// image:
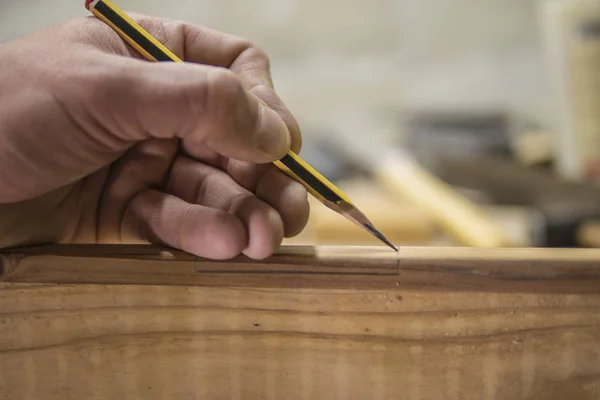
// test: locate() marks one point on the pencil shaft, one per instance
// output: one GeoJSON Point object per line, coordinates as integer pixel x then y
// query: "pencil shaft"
{"type": "Point", "coordinates": [291, 164]}
{"type": "Point", "coordinates": [153, 50]}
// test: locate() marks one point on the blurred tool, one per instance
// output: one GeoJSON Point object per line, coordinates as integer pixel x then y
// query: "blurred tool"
{"type": "Point", "coordinates": [523, 225]}
{"type": "Point", "coordinates": [403, 222]}
{"type": "Point", "coordinates": [494, 133]}
{"type": "Point", "coordinates": [403, 177]}
{"type": "Point", "coordinates": [291, 163]}
{"type": "Point", "coordinates": [569, 210]}
{"type": "Point", "coordinates": [571, 31]}
{"type": "Point", "coordinates": [464, 220]}
{"type": "Point", "coordinates": [325, 156]}
{"type": "Point", "coordinates": [454, 131]}
{"type": "Point", "coordinates": [534, 147]}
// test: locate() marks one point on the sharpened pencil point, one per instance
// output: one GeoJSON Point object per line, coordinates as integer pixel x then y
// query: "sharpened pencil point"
{"type": "Point", "coordinates": [291, 163]}
{"type": "Point", "coordinates": [380, 236]}
{"type": "Point", "coordinates": [352, 213]}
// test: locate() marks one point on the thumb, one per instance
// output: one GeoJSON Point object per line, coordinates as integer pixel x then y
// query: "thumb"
{"type": "Point", "coordinates": [204, 106]}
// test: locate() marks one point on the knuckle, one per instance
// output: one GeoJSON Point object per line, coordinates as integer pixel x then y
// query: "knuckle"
{"type": "Point", "coordinates": [156, 26]}
{"type": "Point", "coordinates": [253, 61]}
{"type": "Point", "coordinates": [253, 65]}
{"type": "Point", "coordinates": [225, 95]}
{"type": "Point", "coordinates": [223, 83]}
{"type": "Point", "coordinates": [260, 56]}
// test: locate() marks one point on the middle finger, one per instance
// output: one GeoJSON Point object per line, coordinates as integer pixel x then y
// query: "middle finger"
{"type": "Point", "coordinates": [269, 184]}
{"type": "Point", "coordinates": [202, 184]}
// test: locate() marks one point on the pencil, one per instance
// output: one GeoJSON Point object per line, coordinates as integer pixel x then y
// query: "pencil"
{"type": "Point", "coordinates": [294, 166]}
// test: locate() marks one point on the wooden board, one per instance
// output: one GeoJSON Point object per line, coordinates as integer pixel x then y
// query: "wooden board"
{"type": "Point", "coordinates": [449, 269]}
{"type": "Point", "coordinates": [235, 338]}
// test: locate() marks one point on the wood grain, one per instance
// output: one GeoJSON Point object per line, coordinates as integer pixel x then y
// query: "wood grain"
{"type": "Point", "coordinates": [449, 269]}
{"type": "Point", "coordinates": [248, 338]}
{"type": "Point", "coordinates": [167, 342]}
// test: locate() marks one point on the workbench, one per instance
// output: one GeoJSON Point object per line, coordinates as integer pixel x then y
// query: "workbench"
{"type": "Point", "coordinates": [129, 322]}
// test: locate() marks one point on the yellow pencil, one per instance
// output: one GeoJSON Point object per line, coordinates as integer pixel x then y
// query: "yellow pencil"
{"type": "Point", "coordinates": [291, 163]}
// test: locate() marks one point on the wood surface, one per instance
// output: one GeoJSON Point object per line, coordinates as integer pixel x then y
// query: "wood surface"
{"type": "Point", "coordinates": [286, 335]}
{"type": "Point", "coordinates": [371, 267]}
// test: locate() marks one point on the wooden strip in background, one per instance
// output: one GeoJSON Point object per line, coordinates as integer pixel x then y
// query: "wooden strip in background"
{"type": "Point", "coordinates": [448, 269]}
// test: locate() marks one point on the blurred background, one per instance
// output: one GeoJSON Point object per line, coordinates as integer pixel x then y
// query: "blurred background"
{"type": "Point", "coordinates": [454, 122]}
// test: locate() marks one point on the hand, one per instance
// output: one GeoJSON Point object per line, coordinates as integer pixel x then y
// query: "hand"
{"type": "Point", "coordinates": [98, 145]}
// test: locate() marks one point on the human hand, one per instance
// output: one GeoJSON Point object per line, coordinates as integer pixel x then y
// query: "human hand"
{"type": "Point", "coordinates": [100, 146]}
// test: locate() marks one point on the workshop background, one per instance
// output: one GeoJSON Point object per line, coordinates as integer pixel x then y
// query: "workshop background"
{"type": "Point", "coordinates": [497, 101]}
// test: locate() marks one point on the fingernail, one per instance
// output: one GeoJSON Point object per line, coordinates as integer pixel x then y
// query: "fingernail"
{"type": "Point", "coordinates": [273, 137]}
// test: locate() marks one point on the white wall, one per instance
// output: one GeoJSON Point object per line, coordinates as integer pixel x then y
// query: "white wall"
{"type": "Point", "coordinates": [346, 56]}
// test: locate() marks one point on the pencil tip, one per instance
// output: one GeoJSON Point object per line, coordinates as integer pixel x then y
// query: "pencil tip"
{"type": "Point", "coordinates": [380, 236]}
{"type": "Point", "coordinates": [356, 216]}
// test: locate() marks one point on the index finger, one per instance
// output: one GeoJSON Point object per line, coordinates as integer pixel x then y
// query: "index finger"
{"type": "Point", "coordinates": [208, 46]}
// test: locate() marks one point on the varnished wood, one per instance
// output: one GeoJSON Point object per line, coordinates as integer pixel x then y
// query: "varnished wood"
{"type": "Point", "coordinates": [175, 342]}
{"type": "Point", "coordinates": [449, 269]}
{"type": "Point", "coordinates": [279, 329]}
